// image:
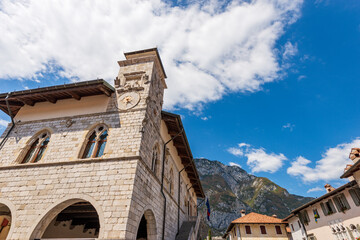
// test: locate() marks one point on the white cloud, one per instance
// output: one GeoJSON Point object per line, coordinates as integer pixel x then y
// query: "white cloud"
{"type": "Point", "coordinates": [205, 118]}
{"type": "Point", "coordinates": [206, 52]}
{"type": "Point", "coordinates": [236, 151]}
{"type": "Point", "coordinates": [234, 164]}
{"type": "Point", "coordinates": [289, 126]}
{"type": "Point", "coordinates": [329, 167]}
{"type": "Point", "coordinates": [290, 50]}
{"type": "Point", "coordinates": [3, 123]}
{"type": "Point", "coordinates": [316, 189]}
{"type": "Point", "coordinates": [258, 159]}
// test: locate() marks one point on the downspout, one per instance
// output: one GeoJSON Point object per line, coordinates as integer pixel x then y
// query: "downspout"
{"type": "Point", "coordinates": [12, 120]}
{"type": "Point", "coordinates": [162, 181]}
{"type": "Point", "coordinates": [178, 217]}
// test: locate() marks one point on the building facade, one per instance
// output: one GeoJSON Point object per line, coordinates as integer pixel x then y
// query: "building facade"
{"type": "Point", "coordinates": [254, 226]}
{"type": "Point", "coordinates": [335, 215]}
{"type": "Point", "coordinates": [88, 160]}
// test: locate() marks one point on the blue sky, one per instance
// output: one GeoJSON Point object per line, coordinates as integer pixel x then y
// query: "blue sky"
{"type": "Point", "coordinates": [269, 85]}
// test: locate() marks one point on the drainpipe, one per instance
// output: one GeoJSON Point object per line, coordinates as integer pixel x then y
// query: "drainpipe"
{"type": "Point", "coordinates": [12, 120]}
{"type": "Point", "coordinates": [162, 181]}
{"type": "Point", "coordinates": [178, 218]}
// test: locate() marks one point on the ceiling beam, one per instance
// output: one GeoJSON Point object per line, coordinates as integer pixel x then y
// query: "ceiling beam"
{"type": "Point", "coordinates": [105, 91]}
{"type": "Point", "coordinates": [74, 95]}
{"type": "Point", "coordinates": [49, 98]}
{"type": "Point", "coordinates": [26, 101]}
{"type": "Point", "coordinates": [11, 103]}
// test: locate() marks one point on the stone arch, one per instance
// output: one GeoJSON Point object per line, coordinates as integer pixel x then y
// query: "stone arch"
{"type": "Point", "coordinates": [39, 228]}
{"type": "Point", "coordinates": [4, 205]}
{"type": "Point", "coordinates": [147, 226]}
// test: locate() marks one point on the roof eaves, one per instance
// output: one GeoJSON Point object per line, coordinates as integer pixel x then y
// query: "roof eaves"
{"type": "Point", "coordinates": [351, 170]}
{"type": "Point", "coordinates": [337, 190]}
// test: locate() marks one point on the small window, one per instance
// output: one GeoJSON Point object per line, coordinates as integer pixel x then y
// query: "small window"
{"type": "Point", "coordinates": [328, 207]}
{"type": "Point", "coordinates": [316, 214]}
{"type": "Point", "coordinates": [263, 229]}
{"type": "Point", "coordinates": [292, 227]}
{"type": "Point", "coordinates": [355, 195]}
{"type": "Point", "coordinates": [299, 224]}
{"type": "Point", "coordinates": [278, 229]}
{"type": "Point", "coordinates": [304, 217]}
{"type": "Point", "coordinates": [341, 203]}
{"type": "Point", "coordinates": [96, 143]}
{"type": "Point", "coordinates": [37, 148]}
{"type": "Point", "coordinates": [248, 229]}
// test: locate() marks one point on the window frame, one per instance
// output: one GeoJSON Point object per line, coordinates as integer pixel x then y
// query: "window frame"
{"type": "Point", "coordinates": [263, 227]}
{"type": "Point", "coordinates": [99, 131]}
{"type": "Point", "coordinates": [355, 195]}
{"type": "Point", "coordinates": [248, 227]}
{"type": "Point", "coordinates": [276, 229]}
{"type": "Point", "coordinates": [36, 147]}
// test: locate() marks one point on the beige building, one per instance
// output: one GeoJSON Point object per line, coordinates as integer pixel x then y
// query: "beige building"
{"type": "Point", "coordinates": [88, 160]}
{"type": "Point", "coordinates": [336, 214]}
{"type": "Point", "coordinates": [255, 226]}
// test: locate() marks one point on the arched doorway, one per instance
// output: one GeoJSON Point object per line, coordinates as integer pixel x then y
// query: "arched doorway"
{"type": "Point", "coordinates": [147, 227]}
{"type": "Point", "coordinates": [74, 218]}
{"type": "Point", "coordinates": [5, 221]}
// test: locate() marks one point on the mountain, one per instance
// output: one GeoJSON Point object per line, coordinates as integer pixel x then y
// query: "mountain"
{"type": "Point", "coordinates": [231, 188]}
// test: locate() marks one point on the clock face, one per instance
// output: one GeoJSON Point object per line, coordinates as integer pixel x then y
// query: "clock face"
{"type": "Point", "coordinates": [128, 100]}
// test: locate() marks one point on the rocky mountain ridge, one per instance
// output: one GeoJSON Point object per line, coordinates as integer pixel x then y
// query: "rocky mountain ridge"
{"type": "Point", "coordinates": [231, 188]}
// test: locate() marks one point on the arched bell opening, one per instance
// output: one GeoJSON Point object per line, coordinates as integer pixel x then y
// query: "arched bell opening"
{"type": "Point", "coordinates": [5, 221]}
{"type": "Point", "coordinates": [147, 227]}
{"type": "Point", "coordinates": [79, 220]}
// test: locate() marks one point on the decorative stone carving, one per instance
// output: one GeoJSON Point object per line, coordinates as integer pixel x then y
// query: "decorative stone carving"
{"type": "Point", "coordinates": [134, 81]}
{"type": "Point", "coordinates": [128, 100]}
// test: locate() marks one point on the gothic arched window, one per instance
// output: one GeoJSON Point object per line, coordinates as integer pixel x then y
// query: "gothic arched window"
{"type": "Point", "coordinates": [37, 148]}
{"type": "Point", "coordinates": [96, 142]}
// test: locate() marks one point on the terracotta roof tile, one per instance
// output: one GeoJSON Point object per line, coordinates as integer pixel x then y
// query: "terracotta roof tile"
{"type": "Point", "coordinates": [257, 218]}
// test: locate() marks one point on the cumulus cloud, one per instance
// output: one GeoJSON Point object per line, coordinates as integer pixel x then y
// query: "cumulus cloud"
{"type": "Point", "coordinates": [258, 159]}
{"type": "Point", "coordinates": [329, 167]}
{"type": "Point", "coordinates": [3, 123]}
{"type": "Point", "coordinates": [316, 189]}
{"type": "Point", "coordinates": [234, 164]}
{"type": "Point", "coordinates": [208, 49]}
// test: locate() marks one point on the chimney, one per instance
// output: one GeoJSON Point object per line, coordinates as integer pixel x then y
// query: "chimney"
{"type": "Point", "coordinates": [329, 188]}
{"type": "Point", "coordinates": [348, 166]}
{"type": "Point", "coordinates": [242, 212]}
{"type": "Point", "coordinates": [354, 154]}
{"type": "Point", "coordinates": [274, 216]}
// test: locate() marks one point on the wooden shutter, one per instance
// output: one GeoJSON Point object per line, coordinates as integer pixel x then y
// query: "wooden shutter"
{"type": "Point", "coordinates": [278, 229]}
{"type": "Point", "coordinates": [332, 206]}
{"type": "Point", "coordinates": [355, 196]}
{"type": "Point", "coordinates": [338, 206]}
{"type": "Point", "coordinates": [263, 229]}
{"type": "Point", "coordinates": [247, 229]}
{"type": "Point", "coordinates": [344, 200]}
{"type": "Point", "coordinates": [323, 209]}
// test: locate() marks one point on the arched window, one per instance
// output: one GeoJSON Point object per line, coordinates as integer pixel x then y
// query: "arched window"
{"type": "Point", "coordinates": [96, 142]}
{"type": "Point", "coordinates": [155, 162]}
{"type": "Point", "coordinates": [37, 148]}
